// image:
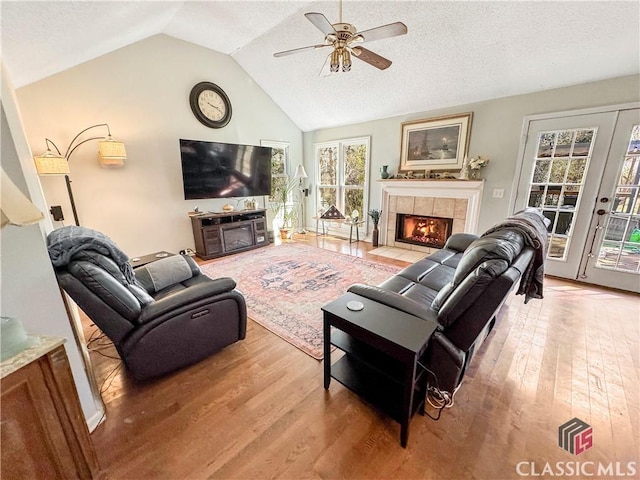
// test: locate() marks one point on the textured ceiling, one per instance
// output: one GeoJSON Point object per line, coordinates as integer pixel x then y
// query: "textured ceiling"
{"type": "Point", "coordinates": [456, 52]}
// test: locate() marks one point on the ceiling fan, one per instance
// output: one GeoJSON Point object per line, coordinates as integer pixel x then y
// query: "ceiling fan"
{"type": "Point", "coordinates": [346, 40]}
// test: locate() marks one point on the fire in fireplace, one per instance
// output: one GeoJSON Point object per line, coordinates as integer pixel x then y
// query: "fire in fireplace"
{"type": "Point", "coordinates": [421, 230]}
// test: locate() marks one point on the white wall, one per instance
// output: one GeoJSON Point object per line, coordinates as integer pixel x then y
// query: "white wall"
{"type": "Point", "coordinates": [29, 288]}
{"type": "Point", "coordinates": [142, 92]}
{"type": "Point", "coordinates": [495, 133]}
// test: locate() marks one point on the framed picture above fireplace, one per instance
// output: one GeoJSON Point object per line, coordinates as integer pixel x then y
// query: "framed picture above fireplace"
{"type": "Point", "coordinates": [439, 143]}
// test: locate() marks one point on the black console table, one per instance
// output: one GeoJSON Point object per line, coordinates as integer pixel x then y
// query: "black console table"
{"type": "Point", "coordinates": [219, 234]}
{"type": "Point", "coordinates": [383, 347]}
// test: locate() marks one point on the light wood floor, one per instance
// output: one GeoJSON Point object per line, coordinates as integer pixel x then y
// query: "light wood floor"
{"type": "Point", "coordinates": [258, 408]}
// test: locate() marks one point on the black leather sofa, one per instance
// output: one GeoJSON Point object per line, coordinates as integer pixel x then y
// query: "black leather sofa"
{"type": "Point", "coordinates": [463, 286]}
{"type": "Point", "coordinates": [160, 317]}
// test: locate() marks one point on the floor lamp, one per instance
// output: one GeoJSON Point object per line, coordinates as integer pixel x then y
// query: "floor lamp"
{"type": "Point", "coordinates": [111, 154]}
{"type": "Point", "coordinates": [301, 174]}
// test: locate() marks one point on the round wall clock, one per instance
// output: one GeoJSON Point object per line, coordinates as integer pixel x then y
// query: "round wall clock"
{"type": "Point", "coordinates": [210, 104]}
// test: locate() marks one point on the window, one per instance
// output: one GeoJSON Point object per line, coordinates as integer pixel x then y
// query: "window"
{"type": "Point", "coordinates": [279, 167]}
{"type": "Point", "coordinates": [342, 173]}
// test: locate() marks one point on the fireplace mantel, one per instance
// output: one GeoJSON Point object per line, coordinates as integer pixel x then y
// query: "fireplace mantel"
{"type": "Point", "coordinates": [458, 199]}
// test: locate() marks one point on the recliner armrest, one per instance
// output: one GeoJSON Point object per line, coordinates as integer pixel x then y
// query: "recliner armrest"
{"type": "Point", "coordinates": [186, 297]}
{"type": "Point", "coordinates": [394, 300]}
{"type": "Point", "coordinates": [460, 241]}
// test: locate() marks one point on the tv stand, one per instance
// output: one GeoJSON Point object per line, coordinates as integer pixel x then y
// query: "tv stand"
{"type": "Point", "coordinates": [220, 234]}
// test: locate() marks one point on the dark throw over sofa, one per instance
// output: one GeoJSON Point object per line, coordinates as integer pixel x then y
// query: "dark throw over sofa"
{"type": "Point", "coordinates": [462, 287]}
{"type": "Point", "coordinates": [161, 317]}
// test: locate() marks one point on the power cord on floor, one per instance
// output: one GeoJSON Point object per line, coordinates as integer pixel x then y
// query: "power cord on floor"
{"type": "Point", "coordinates": [98, 341]}
{"type": "Point", "coordinates": [438, 399]}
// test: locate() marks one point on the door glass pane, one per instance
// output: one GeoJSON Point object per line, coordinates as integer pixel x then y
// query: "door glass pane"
{"type": "Point", "coordinates": [536, 195]}
{"type": "Point", "coordinates": [560, 169]}
{"type": "Point", "coordinates": [620, 245]}
{"type": "Point", "coordinates": [541, 171]}
{"type": "Point", "coordinates": [563, 145]}
{"type": "Point", "coordinates": [563, 225]}
{"type": "Point", "coordinates": [577, 167]}
{"type": "Point", "coordinates": [582, 146]}
{"type": "Point", "coordinates": [570, 194]}
{"type": "Point", "coordinates": [557, 247]}
{"type": "Point", "coordinates": [553, 195]}
{"type": "Point", "coordinates": [545, 144]}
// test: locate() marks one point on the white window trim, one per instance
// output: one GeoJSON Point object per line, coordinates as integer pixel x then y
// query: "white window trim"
{"type": "Point", "coordinates": [341, 144]}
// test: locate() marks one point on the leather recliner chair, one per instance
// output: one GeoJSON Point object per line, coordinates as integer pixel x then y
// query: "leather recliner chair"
{"type": "Point", "coordinates": [169, 317]}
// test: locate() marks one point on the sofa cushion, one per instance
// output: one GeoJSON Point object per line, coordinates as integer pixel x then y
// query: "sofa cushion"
{"type": "Point", "coordinates": [453, 301]}
{"type": "Point", "coordinates": [164, 273]}
{"type": "Point", "coordinates": [503, 245]}
{"type": "Point", "coordinates": [421, 294]}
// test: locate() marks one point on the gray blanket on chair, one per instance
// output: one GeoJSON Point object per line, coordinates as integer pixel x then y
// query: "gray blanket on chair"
{"type": "Point", "coordinates": [63, 243]}
{"type": "Point", "coordinates": [533, 227]}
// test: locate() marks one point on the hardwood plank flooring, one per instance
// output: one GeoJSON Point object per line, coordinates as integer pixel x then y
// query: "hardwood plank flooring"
{"type": "Point", "coordinates": [258, 408]}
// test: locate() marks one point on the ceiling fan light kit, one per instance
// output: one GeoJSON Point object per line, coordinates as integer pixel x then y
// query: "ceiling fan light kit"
{"type": "Point", "coordinates": [342, 37]}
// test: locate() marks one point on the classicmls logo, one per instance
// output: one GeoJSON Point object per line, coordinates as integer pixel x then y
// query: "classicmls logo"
{"type": "Point", "coordinates": [575, 436]}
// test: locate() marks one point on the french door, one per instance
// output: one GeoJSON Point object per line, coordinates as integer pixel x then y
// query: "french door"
{"type": "Point", "coordinates": [613, 256]}
{"type": "Point", "coordinates": [571, 168]}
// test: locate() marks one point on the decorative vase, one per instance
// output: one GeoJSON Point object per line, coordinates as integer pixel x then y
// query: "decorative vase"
{"type": "Point", "coordinates": [474, 174]}
{"type": "Point", "coordinates": [464, 172]}
{"type": "Point", "coordinates": [374, 236]}
{"type": "Point", "coordinates": [384, 173]}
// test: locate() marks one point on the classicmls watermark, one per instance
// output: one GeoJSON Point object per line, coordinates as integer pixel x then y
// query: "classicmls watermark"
{"type": "Point", "coordinates": [576, 437]}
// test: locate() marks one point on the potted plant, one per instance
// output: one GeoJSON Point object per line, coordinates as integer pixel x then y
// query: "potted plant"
{"type": "Point", "coordinates": [374, 213]}
{"type": "Point", "coordinates": [283, 206]}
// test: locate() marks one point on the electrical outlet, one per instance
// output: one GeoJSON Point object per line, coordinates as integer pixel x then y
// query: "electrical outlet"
{"type": "Point", "coordinates": [56, 211]}
{"type": "Point", "coordinates": [498, 192]}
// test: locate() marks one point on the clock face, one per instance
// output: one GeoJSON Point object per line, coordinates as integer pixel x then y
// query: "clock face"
{"type": "Point", "coordinates": [210, 105]}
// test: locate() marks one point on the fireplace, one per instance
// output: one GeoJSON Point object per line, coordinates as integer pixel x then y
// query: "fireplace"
{"type": "Point", "coordinates": [423, 230]}
{"type": "Point", "coordinates": [235, 237]}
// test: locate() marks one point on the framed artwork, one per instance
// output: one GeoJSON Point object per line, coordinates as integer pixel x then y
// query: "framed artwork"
{"type": "Point", "coordinates": [436, 143]}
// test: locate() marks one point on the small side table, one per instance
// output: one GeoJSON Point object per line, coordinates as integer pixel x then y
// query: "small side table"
{"type": "Point", "coordinates": [355, 224]}
{"type": "Point", "coordinates": [384, 349]}
{"type": "Point", "coordinates": [152, 257]}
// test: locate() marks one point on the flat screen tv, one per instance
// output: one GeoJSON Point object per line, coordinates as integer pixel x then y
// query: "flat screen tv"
{"type": "Point", "coordinates": [222, 170]}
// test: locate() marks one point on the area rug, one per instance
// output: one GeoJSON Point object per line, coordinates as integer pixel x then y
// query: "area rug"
{"type": "Point", "coordinates": [285, 287]}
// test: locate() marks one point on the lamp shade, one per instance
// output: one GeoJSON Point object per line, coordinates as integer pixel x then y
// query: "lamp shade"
{"type": "Point", "coordinates": [15, 207]}
{"type": "Point", "coordinates": [300, 172]}
{"type": "Point", "coordinates": [111, 153]}
{"type": "Point", "coordinates": [51, 164]}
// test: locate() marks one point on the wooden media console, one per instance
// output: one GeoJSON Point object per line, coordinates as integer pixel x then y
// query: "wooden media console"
{"type": "Point", "coordinates": [219, 234]}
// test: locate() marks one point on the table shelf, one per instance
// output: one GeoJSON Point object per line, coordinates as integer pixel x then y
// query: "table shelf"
{"type": "Point", "coordinates": [383, 349]}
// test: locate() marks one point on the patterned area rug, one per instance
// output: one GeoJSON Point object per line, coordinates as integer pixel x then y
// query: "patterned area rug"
{"type": "Point", "coordinates": [286, 285]}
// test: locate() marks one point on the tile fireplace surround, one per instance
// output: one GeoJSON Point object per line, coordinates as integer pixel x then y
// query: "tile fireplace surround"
{"type": "Point", "coordinates": [457, 199]}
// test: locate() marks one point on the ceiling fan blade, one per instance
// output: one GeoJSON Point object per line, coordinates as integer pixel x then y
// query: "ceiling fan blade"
{"type": "Point", "coordinates": [385, 31]}
{"type": "Point", "coordinates": [320, 22]}
{"type": "Point", "coordinates": [371, 58]}
{"type": "Point", "coordinates": [298, 50]}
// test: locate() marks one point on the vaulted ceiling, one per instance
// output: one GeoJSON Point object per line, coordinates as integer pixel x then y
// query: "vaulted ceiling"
{"type": "Point", "coordinates": [455, 52]}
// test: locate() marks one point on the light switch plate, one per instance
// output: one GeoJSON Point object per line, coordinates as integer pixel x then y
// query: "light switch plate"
{"type": "Point", "coordinates": [498, 192]}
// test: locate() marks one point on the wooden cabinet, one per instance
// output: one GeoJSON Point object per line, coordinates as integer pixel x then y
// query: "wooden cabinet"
{"type": "Point", "coordinates": [44, 434]}
{"type": "Point", "coordinates": [218, 234]}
